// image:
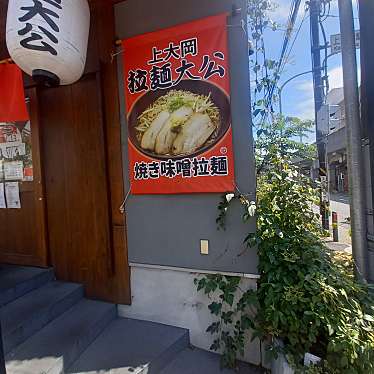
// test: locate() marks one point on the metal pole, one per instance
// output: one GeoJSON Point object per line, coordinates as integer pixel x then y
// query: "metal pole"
{"type": "Point", "coordinates": [335, 227]}
{"type": "Point", "coordinates": [354, 148]}
{"type": "Point", "coordinates": [315, 6]}
{"type": "Point", "coordinates": [280, 102]}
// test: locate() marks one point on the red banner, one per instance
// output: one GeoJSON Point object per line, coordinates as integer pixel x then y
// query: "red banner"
{"type": "Point", "coordinates": [177, 89]}
{"type": "Point", "coordinates": [12, 96]}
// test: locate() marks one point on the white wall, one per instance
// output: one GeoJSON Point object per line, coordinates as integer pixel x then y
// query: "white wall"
{"type": "Point", "coordinates": [170, 297]}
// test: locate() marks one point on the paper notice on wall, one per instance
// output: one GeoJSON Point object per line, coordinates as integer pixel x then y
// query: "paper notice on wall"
{"type": "Point", "coordinates": [13, 170]}
{"type": "Point", "coordinates": [12, 150]}
{"type": "Point", "coordinates": [12, 195]}
{"type": "Point", "coordinates": [2, 196]}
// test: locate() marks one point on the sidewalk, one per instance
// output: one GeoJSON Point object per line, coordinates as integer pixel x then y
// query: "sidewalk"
{"type": "Point", "coordinates": [339, 203]}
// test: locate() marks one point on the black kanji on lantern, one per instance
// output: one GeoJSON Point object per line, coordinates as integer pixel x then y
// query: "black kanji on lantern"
{"type": "Point", "coordinates": [184, 71]}
{"type": "Point", "coordinates": [137, 81]}
{"type": "Point", "coordinates": [210, 67]}
{"type": "Point", "coordinates": [189, 47]}
{"type": "Point", "coordinates": [161, 77]}
{"type": "Point", "coordinates": [219, 165]}
{"type": "Point", "coordinates": [37, 35]}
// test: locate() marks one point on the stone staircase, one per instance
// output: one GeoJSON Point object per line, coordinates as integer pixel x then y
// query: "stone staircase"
{"type": "Point", "coordinates": [49, 327]}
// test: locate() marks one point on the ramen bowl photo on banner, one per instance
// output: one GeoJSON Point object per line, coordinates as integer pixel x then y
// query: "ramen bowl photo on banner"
{"type": "Point", "coordinates": [177, 89]}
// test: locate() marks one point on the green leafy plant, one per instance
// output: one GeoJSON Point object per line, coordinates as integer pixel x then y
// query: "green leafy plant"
{"type": "Point", "coordinates": [307, 296]}
{"type": "Point", "coordinates": [234, 309]}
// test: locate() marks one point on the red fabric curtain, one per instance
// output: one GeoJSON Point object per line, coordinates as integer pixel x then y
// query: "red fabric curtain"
{"type": "Point", "coordinates": [12, 95]}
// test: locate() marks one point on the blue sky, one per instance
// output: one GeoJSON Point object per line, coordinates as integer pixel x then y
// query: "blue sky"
{"type": "Point", "coordinates": [298, 95]}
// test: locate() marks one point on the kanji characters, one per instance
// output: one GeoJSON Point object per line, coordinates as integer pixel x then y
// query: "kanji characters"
{"type": "Point", "coordinates": [154, 170]}
{"type": "Point", "coordinates": [140, 170]}
{"type": "Point", "coordinates": [176, 51]}
{"type": "Point", "coordinates": [184, 71]}
{"type": "Point", "coordinates": [137, 81]}
{"type": "Point", "coordinates": [219, 165]}
{"type": "Point", "coordinates": [37, 35]}
{"type": "Point", "coordinates": [200, 167]}
{"type": "Point", "coordinates": [45, 13]}
{"type": "Point", "coordinates": [210, 67]}
{"type": "Point", "coordinates": [189, 47]}
{"type": "Point", "coordinates": [161, 77]}
{"type": "Point", "coordinates": [171, 51]}
{"type": "Point", "coordinates": [187, 168]}
{"type": "Point", "coordinates": [168, 168]}
{"type": "Point", "coordinates": [155, 59]}
{"type": "Point", "coordinates": [184, 167]}
{"type": "Point", "coordinates": [164, 73]}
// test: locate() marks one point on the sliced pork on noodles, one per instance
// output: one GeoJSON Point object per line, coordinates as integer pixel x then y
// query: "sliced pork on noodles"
{"type": "Point", "coordinates": [150, 135]}
{"type": "Point", "coordinates": [193, 134]}
{"type": "Point", "coordinates": [169, 131]}
{"type": "Point", "coordinates": [178, 123]}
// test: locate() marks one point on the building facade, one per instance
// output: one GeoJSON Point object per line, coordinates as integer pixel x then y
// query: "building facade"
{"type": "Point", "coordinates": [79, 214]}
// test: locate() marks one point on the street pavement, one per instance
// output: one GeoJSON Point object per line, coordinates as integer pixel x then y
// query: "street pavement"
{"type": "Point", "coordinates": [339, 203]}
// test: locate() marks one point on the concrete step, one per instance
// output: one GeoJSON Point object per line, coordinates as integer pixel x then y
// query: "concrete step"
{"type": "Point", "coordinates": [30, 313]}
{"type": "Point", "coordinates": [16, 281]}
{"type": "Point", "coordinates": [195, 361]}
{"type": "Point", "coordinates": [132, 346]}
{"type": "Point", "coordinates": [60, 343]}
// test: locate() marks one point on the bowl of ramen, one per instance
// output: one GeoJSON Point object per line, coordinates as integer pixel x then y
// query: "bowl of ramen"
{"type": "Point", "coordinates": [183, 121]}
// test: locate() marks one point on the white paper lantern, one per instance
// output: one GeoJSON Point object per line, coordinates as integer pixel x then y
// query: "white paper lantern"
{"type": "Point", "coordinates": [48, 39]}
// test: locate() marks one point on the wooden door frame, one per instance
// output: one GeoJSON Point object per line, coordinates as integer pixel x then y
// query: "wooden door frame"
{"type": "Point", "coordinates": [39, 183]}
{"type": "Point", "coordinates": [40, 257]}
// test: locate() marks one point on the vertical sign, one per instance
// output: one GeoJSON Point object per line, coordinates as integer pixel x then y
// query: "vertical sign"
{"type": "Point", "coordinates": [177, 90]}
{"type": "Point", "coordinates": [12, 97]}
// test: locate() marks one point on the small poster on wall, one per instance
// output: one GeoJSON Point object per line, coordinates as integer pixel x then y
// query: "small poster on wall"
{"type": "Point", "coordinates": [13, 170]}
{"type": "Point", "coordinates": [12, 195]}
{"type": "Point", "coordinates": [15, 128]}
{"type": "Point", "coordinates": [15, 151]}
{"type": "Point", "coordinates": [177, 90]}
{"type": "Point", "coordinates": [2, 196]}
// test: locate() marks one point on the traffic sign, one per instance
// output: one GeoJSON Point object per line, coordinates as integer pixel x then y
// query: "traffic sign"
{"type": "Point", "coordinates": [336, 42]}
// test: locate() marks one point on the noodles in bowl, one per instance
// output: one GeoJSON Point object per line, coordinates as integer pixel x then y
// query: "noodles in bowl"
{"type": "Point", "coordinates": [179, 122]}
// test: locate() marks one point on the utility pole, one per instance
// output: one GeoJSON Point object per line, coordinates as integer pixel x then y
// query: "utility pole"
{"type": "Point", "coordinates": [315, 6]}
{"type": "Point", "coordinates": [354, 143]}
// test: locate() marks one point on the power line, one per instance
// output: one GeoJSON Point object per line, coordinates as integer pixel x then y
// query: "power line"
{"type": "Point", "coordinates": [294, 41]}
{"type": "Point", "coordinates": [294, 10]}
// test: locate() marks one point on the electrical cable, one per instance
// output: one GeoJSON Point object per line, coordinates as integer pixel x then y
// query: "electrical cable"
{"type": "Point", "coordinates": [293, 43]}
{"type": "Point", "coordinates": [294, 10]}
